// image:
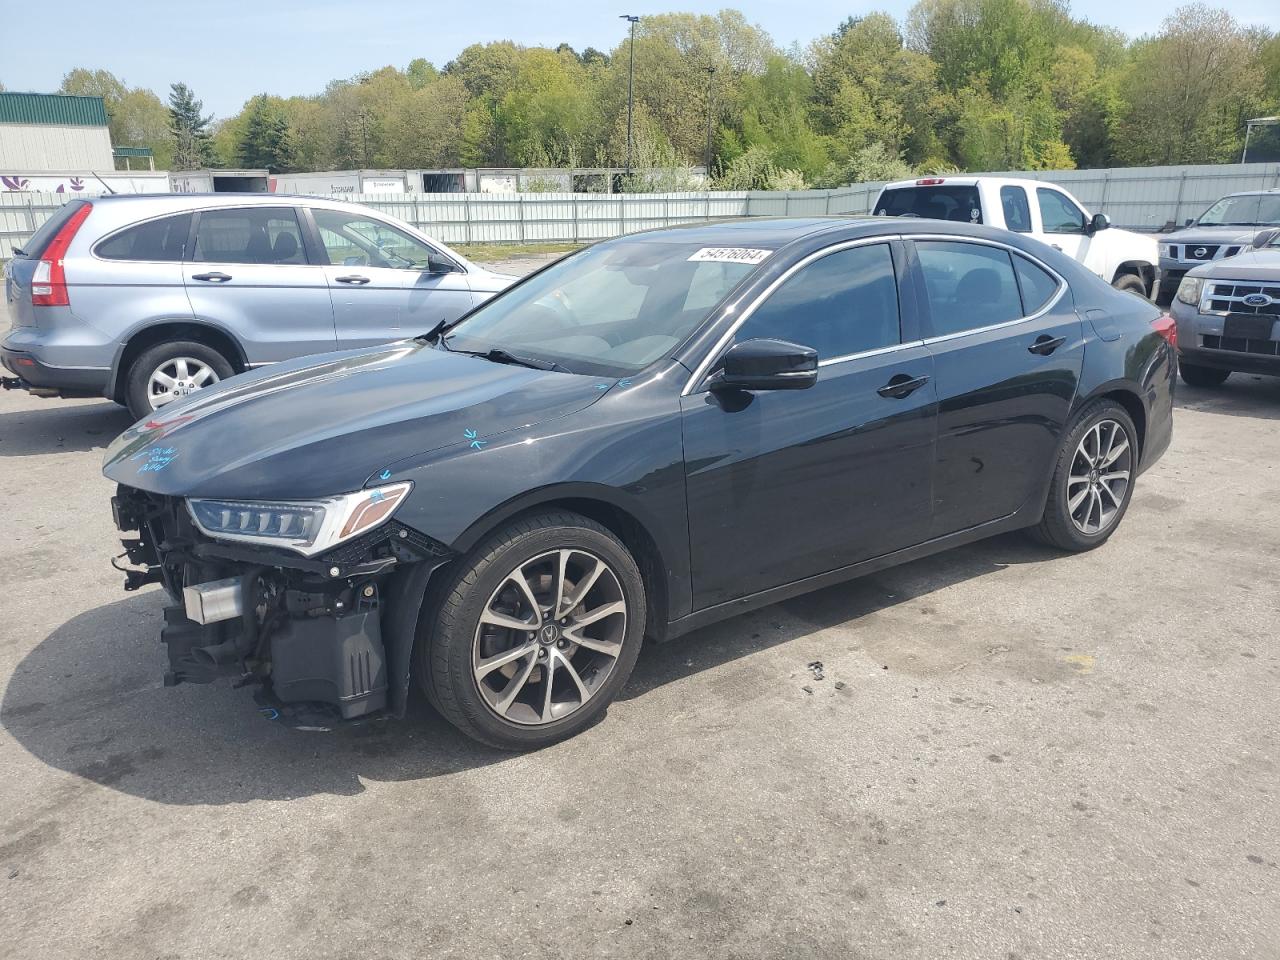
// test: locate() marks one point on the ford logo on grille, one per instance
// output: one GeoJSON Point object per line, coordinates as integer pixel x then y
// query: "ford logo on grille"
{"type": "Point", "coordinates": [1257, 300]}
{"type": "Point", "coordinates": [1199, 253]}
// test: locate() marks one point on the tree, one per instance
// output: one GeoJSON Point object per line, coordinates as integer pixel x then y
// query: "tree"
{"type": "Point", "coordinates": [135, 116]}
{"type": "Point", "coordinates": [189, 128]}
{"type": "Point", "coordinates": [267, 141]}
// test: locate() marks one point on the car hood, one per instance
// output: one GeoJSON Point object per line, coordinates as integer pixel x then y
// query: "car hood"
{"type": "Point", "coordinates": [1212, 235]}
{"type": "Point", "coordinates": [320, 426]}
{"type": "Point", "coordinates": [1261, 265]}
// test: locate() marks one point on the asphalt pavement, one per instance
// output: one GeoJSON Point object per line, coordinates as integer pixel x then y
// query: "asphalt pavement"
{"type": "Point", "coordinates": [1010, 754]}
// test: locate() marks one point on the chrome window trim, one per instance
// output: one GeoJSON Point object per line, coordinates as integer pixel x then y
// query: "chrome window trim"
{"type": "Point", "coordinates": [700, 371]}
{"type": "Point", "coordinates": [1048, 304]}
{"type": "Point", "coordinates": [870, 353]}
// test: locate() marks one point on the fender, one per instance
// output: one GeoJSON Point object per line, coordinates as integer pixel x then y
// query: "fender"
{"type": "Point", "coordinates": [148, 325]}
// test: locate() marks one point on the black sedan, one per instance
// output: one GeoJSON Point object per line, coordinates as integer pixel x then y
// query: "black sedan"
{"type": "Point", "coordinates": [655, 433]}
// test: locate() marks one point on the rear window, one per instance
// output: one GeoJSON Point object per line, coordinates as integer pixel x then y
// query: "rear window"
{"type": "Point", "coordinates": [34, 248]}
{"type": "Point", "coordinates": [156, 240]}
{"type": "Point", "coordinates": [943, 202]}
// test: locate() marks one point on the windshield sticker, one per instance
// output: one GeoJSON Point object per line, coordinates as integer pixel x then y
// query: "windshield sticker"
{"type": "Point", "coordinates": [157, 458]}
{"type": "Point", "coordinates": [729, 255]}
{"type": "Point", "coordinates": [476, 442]}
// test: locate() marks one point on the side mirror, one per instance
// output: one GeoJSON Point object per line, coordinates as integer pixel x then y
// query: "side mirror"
{"type": "Point", "coordinates": [1264, 238]}
{"type": "Point", "coordinates": [1100, 221]}
{"type": "Point", "coordinates": [1189, 221]}
{"type": "Point", "coordinates": [766, 365]}
{"type": "Point", "coordinates": [437, 264]}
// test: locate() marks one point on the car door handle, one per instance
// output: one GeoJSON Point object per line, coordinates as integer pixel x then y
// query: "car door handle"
{"type": "Point", "coordinates": [902, 385]}
{"type": "Point", "coordinates": [211, 277]}
{"type": "Point", "coordinates": [354, 278]}
{"type": "Point", "coordinates": [1055, 246]}
{"type": "Point", "coordinates": [1045, 345]}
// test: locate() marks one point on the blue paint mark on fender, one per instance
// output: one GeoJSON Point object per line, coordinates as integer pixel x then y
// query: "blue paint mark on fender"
{"type": "Point", "coordinates": [473, 437]}
{"type": "Point", "coordinates": [155, 459]}
{"type": "Point", "coordinates": [624, 383]}
{"type": "Point", "coordinates": [385, 475]}
{"type": "Point", "coordinates": [602, 386]}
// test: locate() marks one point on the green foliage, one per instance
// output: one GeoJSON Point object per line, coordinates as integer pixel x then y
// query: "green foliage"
{"type": "Point", "coordinates": [959, 84]}
{"type": "Point", "coordinates": [189, 129]}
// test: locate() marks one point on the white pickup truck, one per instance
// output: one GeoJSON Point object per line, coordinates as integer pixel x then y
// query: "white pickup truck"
{"type": "Point", "coordinates": [1128, 261]}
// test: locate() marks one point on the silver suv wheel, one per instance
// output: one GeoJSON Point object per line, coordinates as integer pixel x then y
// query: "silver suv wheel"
{"type": "Point", "coordinates": [1100, 475]}
{"type": "Point", "coordinates": [176, 378]}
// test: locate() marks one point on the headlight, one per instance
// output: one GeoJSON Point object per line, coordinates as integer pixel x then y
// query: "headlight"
{"type": "Point", "coordinates": [1189, 291]}
{"type": "Point", "coordinates": [1164, 250]}
{"type": "Point", "coordinates": [307, 526]}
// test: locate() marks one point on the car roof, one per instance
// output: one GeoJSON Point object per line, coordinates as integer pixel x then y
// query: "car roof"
{"type": "Point", "coordinates": [968, 180]}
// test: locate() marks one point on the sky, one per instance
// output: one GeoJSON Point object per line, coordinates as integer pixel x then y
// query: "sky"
{"type": "Point", "coordinates": [230, 50]}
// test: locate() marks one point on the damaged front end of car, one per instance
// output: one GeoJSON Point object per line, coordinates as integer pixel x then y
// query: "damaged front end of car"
{"type": "Point", "coordinates": [328, 616]}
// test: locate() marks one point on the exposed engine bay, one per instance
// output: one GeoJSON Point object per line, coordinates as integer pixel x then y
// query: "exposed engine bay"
{"type": "Point", "coordinates": [336, 629]}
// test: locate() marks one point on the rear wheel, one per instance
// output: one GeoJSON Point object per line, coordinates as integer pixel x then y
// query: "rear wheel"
{"type": "Point", "coordinates": [172, 370]}
{"type": "Point", "coordinates": [536, 633]}
{"type": "Point", "coordinates": [1130, 282]}
{"type": "Point", "coordinates": [1092, 479]}
{"type": "Point", "coordinates": [1197, 376]}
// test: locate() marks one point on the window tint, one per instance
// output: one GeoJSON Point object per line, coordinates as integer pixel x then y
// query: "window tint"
{"type": "Point", "coordinates": [969, 285]}
{"type": "Point", "coordinates": [1017, 212]}
{"type": "Point", "coordinates": [351, 240]}
{"type": "Point", "coordinates": [845, 303]}
{"type": "Point", "coordinates": [958, 203]}
{"type": "Point", "coordinates": [1037, 284]}
{"type": "Point", "coordinates": [163, 239]}
{"type": "Point", "coordinates": [33, 249]}
{"type": "Point", "coordinates": [256, 235]}
{"type": "Point", "coordinates": [1059, 214]}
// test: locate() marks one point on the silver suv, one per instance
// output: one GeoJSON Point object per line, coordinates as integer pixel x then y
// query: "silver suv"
{"type": "Point", "coordinates": [144, 299]}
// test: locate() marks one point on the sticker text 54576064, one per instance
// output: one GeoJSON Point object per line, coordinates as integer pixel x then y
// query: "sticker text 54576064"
{"type": "Point", "coordinates": [729, 255]}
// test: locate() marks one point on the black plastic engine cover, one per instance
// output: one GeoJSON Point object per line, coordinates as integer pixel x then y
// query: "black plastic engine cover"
{"type": "Point", "coordinates": [338, 660]}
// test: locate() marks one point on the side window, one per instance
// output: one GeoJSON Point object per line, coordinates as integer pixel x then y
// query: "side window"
{"type": "Point", "coordinates": [1037, 284]}
{"type": "Point", "coordinates": [351, 240]}
{"type": "Point", "coordinates": [252, 235]}
{"type": "Point", "coordinates": [969, 285]}
{"type": "Point", "coordinates": [846, 302]}
{"type": "Point", "coordinates": [157, 240]}
{"type": "Point", "coordinates": [1017, 212]}
{"type": "Point", "coordinates": [1059, 214]}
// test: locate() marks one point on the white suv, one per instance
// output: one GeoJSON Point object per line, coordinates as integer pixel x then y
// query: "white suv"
{"type": "Point", "coordinates": [1126, 260]}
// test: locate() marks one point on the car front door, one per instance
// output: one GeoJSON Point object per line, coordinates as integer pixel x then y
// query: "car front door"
{"type": "Point", "coordinates": [1064, 226]}
{"type": "Point", "coordinates": [380, 281]}
{"type": "Point", "coordinates": [784, 485]}
{"type": "Point", "coordinates": [1007, 349]}
{"type": "Point", "coordinates": [248, 273]}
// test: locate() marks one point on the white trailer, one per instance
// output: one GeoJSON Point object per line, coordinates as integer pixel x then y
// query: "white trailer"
{"type": "Point", "coordinates": [331, 182]}
{"type": "Point", "coordinates": [219, 181]}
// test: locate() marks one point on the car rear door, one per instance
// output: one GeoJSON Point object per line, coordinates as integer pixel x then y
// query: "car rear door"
{"type": "Point", "coordinates": [248, 273]}
{"type": "Point", "coordinates": [379, 280]}
{"type": "Point", "coordinates": [1007, 352]}
{"type": "Point", "coordinates": [784, 485]}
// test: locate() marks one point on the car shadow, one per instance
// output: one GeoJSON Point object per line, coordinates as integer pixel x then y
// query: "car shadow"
{"type": "Point", "coordinates": [88, 699]}
{"type": "Point", "coordinates": [61, 426]}
{"type": "Point", "coordinates": [1243, 395]}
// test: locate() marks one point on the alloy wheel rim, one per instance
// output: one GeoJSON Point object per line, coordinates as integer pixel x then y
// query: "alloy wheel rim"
{"type": "Point", "coordinates": [1099, 478]}
{"type": "Point", "coordinates": [549, 637]}
{"type": "Point", "coordinates": [177, 378]}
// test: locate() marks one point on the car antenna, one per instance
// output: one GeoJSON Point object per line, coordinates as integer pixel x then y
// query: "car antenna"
{"type": "Point", "coordinates": [103, 182]}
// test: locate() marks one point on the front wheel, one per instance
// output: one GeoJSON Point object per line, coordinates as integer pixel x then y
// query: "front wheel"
{"type": "Point", "coordinates": [1092, 479]}
{"type": "Point", "coordinates": [536, 632]}
{"type": "Point", "coordinates": [1194, 375]}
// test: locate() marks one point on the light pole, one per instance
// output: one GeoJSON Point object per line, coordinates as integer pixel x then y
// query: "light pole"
{"type": "Point", "coordinates": [631, 83]}
{"type": "Point", "coordinates": [711, 93]}
{"type": "Point", "coordinates": [1248, 129]}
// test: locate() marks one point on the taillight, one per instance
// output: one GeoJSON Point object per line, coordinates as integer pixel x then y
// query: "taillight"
{"type": "Point", "coordinates": [930, 181]}
{"type": "Point", "coordinates": [1167, 328]}
{"type": "Point", "coordinates": [49, 282]}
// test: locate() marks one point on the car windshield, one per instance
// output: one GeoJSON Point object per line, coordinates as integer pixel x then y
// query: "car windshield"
{"type": "Point", "coordinates": [610, 310]}
{"type": "Point", "coordinates": [1246, 210]}
{"type": "Point", "coordinates": [945, 202]}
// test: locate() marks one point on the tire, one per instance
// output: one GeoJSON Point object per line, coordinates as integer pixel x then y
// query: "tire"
{"type": "Point", "coordinates": [1061, 525]}
{"type": "Point", "coordinates": [196, 356]}
{"type": "Point", "coordinates": [1194, 375]}
{"type": "Point", "coordinates": [451, 659]}
{"type": "Point", "coordinates": [1132, 283]}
